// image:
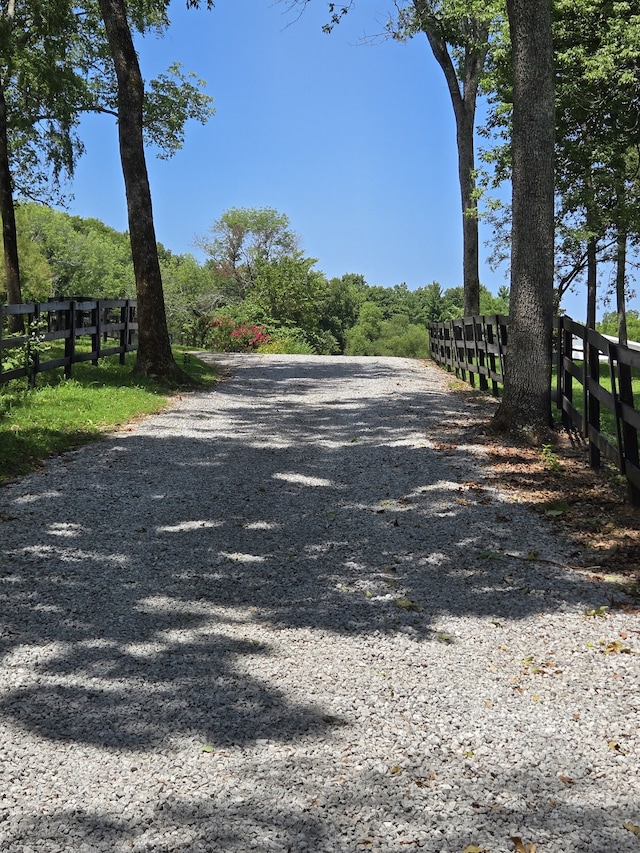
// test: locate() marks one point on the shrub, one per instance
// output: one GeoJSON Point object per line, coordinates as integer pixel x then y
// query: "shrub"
{"type": "Point", "coordinates": [287, 342]}
{"type": "Point", "coordinates": [224, 334]}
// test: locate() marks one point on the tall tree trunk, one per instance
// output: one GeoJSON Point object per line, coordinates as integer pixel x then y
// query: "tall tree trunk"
{"type": "Point", "coordinates": [470, 240]}
{"type": "Point", "coordinates": [526, 406]}
{"type": "Point", "coordinates": [592, 281]}
{"type": "Point", "coordinates": [621, 278]}
{"type": "Point", "coordinates": [154, 349]}
{"type": "Point", "coordinates": [9, 232]}
{"type": "Point", "coordinates": [592, 222]}
{"type": "Point", "coordinates": [463, 94]}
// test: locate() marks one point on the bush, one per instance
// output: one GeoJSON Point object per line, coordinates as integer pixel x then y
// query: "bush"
{"type": "Point", "coordinates": [287, 342]}
{"type": "Point", "coordinates": [224, 334]}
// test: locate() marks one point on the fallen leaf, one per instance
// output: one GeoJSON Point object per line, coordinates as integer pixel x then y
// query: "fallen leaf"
{"type": "Point", "coordinates": [615, 746]}
{"type": "Point", "coordinates": [208, 748]}
{"type": "Point", "coordinates": [632, 827]}
{"type": "Point", "coordinates": [566, 779]}
{"type": "Point", "coordinates": [473, 848]}
{"type": "Point", "coordinates": [396, 769]}
{"type": "Point", "coordinates": [601, 611]}
{"type": "Point", "coordinates": [488, 703]}
{"type": "Point", "coordinates": [521, 847]}
{"type": "Point", "coordinates": [615, 647]}
{"type": "Point", "coordinates": [407, 604]}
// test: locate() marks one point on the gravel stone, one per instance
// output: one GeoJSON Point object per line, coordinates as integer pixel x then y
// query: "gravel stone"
{"type": "Point", "coordinates": [284, 616]}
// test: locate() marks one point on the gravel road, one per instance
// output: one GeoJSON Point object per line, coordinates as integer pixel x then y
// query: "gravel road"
{"type": "Point", "coordinates": [285, 615]}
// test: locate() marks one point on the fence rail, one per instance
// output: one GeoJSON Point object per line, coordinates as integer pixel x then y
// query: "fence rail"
{"type": "Point", "coordinates": [602, 370]}
{"type": "Point", "coordinates": [108, 326]}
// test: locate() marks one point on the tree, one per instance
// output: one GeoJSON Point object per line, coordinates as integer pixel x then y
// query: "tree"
{"type": "Point", "coordinates": [342, 304]}
{"type": "Point", "coordinates": [597, 59]}
{"type": "Point", "coordinates": [609, 324]}
{"type": "Point", "coordinates": [154, 357]}
{"type": "Point", "coordinates": [80, 257]}
{"type": "Point", "coordinates": [39, 92]}
{"type": "Point", "coordinates": [241, 239]}
{"type": "Point", "coordinates": [189, 292]}
{"type": "Point", "coordinates": [597, 62]}
{"type": "Point", "coordinates": [289, 292]}
{"type": "Point", "coordinates": [459, 33]}
{"type": "Point", "coordinates": [56, 64]}
{"type": "Point", "coordinates": [526, 405]}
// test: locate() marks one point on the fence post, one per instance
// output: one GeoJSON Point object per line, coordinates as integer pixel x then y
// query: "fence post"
{"type": "Point", "coordinates": [592, 357]}
{"type": "Point", "coordinates": [565, 380]}
{"type": "Point", "coordinates": [33, 352]}
{"type": "Point", "coordinates": [492, 356]}
{"type": "Point", "coordinates": [95, 337]}
{"type": "Point", "coordinates": [503, 343]}
{"type": "Point", "coordinates": [124, 319]}
{"type": "Point", "coordinates": [480, 351]}
{"type": "Point", "coordinates": [629, 449]}
{"type": "Point", "coordinates": [70, 341]}
{"type": "Point", "coordinates": [458, 344]}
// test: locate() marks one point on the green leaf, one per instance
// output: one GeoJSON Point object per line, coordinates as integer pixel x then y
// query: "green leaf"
{"type": "Point", "coordinates": [407, 604]}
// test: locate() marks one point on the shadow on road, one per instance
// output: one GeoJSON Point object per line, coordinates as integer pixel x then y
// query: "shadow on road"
{"type": "Point", "coordinates": [293, 497]}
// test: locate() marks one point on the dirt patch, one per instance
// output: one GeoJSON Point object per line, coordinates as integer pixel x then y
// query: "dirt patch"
{"type": "Point", "coordinates": [590, 506]}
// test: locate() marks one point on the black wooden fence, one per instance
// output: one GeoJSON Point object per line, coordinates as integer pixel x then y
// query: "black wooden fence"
{"type": "Point", "coordinates": [62, 333]}
{"type": "Point", "coordinates": [593, 375]}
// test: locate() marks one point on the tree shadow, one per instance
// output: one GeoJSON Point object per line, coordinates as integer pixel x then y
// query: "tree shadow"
{"type": "Point", "coordinates": [134, 569]}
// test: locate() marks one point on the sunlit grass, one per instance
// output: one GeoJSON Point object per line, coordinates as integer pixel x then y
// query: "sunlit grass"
{"type": "Point", "coordinates": [62, 414]}
{"type": "Point", "coordinates": [607, 418]}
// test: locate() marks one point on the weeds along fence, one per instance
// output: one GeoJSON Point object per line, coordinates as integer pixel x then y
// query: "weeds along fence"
{"type": "Point", "coordinates": [593, 384]}
{"type": "Point", "coordinates": [59, 334]}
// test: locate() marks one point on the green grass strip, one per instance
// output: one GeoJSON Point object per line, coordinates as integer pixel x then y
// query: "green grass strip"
{"type": "Point", "coordinates": [62, 414]}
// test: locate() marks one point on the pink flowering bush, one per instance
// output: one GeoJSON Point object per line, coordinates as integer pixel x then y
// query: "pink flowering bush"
{"type": "Point", "coordinates": [225, 334]}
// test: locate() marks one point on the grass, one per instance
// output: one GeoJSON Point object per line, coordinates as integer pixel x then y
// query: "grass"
{"type": "Point", "coordinates": [607, 418]}
{"type": "Point", "coordinates": [61, 414]}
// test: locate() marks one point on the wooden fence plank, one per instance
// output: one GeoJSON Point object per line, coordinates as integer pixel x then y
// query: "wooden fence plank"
{"type": "Point", "coordinates": [483, 348]}
{"type": "Point", "coordinates": [66, 321]}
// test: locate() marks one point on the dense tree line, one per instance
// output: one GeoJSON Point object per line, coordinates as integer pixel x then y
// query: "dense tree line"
{"type": "Point", "coordinates": [255, 277]}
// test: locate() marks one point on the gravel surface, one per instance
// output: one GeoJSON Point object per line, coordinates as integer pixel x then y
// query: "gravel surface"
{"type": "Point", "coordinates": [284, 616]}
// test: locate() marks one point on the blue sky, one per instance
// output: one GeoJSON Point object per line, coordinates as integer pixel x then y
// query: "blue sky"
{"type": "Point", "coordinates": [354, 142]}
